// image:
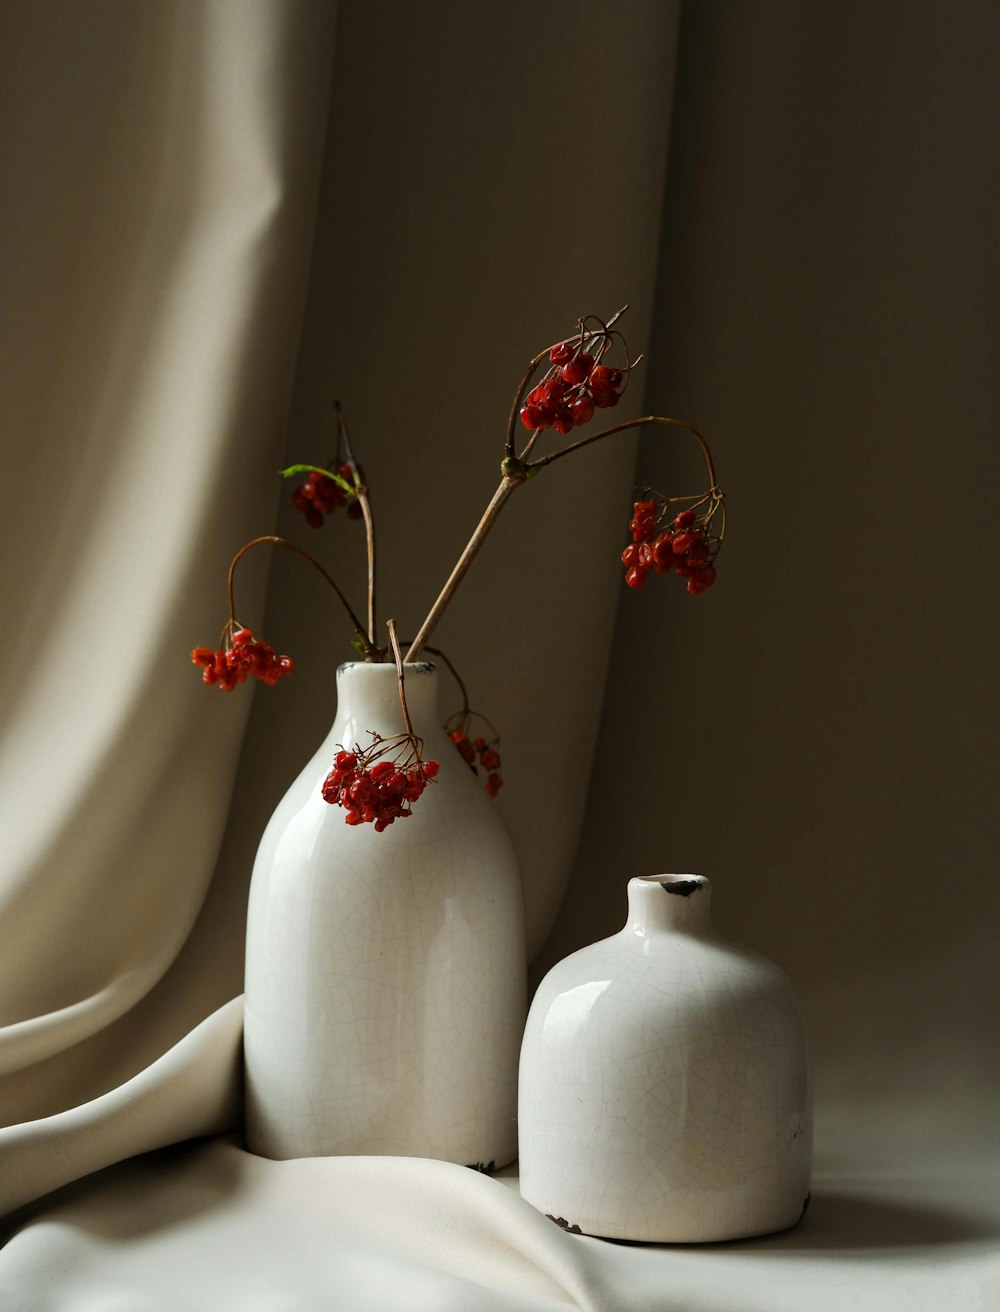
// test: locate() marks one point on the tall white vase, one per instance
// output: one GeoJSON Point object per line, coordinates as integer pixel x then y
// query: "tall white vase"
{"type": "Point", "coordinates": [385, 972]}
{"type": "Point", "coordinates": [664, 1090]}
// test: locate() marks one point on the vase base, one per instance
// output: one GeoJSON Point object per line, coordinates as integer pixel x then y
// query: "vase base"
{"type": "Point", "coordinates": [661, 1240]}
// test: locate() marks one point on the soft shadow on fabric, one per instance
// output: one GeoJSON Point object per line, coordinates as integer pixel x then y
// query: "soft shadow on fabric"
{"type": "Point", "coordinates": [119, 1219]}
{"type": "Point", "coordinates": [850, 1226]}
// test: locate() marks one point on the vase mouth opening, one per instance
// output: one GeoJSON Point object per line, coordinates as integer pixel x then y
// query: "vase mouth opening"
{"type": "Point", "coordinates": [682, 885]}
{"type": "Point", "coordinates": [414, 667]}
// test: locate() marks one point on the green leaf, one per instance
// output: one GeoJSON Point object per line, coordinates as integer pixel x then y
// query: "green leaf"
{"type": "Point", "coordinates": [342, 483]}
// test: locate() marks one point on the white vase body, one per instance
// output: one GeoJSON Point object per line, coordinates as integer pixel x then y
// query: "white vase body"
{"type": "Point", "coordinates": [385, 972]}
{"type": "Point", "coordinates": [665, 1093]}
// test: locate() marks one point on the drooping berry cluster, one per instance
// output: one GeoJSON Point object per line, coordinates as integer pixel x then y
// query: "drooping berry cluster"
{"type": "Point", "coordinates": [489, 758]}
{"type": "Point", "coordinates": [572, 390]}
{"type": "Point", "coordinates": [245, 655]}
{"type": "Point", "coordinates": [684, 547]}
{"type": "Point", "coordinates": [321, 495]}
{"type": "Point", "coordinates": [374, 789]}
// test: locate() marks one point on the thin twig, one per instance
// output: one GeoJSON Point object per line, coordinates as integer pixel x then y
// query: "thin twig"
{"type": "Point", "coordinates": [400, 678]}
{"type": "Point", "coordinates": [515, 408]}
{"type": "Point", "coordinates": [620, 428]}
{"type": "Point", "coordinates": [283, 542]}
{"type": "Point", "coordinates": [436, 651]}
{"type": "Point", "coordinates": [507, 485]}
{"type": "Point", "coordinates": [361, 491]}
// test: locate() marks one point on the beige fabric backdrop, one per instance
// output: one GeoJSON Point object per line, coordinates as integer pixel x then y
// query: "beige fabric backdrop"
{"type": "Point", "coordinates": [160, 165]}
{"type": "Point", "coordinates": [815, 734]}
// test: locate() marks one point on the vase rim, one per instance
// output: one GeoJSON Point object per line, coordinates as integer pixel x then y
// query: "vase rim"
{"type": "Point", "coordinates": [415, 667]}
{"type": "Point", "coordinates": [680, 883]}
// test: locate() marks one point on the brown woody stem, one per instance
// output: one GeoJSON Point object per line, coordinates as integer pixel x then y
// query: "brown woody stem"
{"type": "Point", "coordinates": [507, 485]}
{"type": "Point", "coordinates": [400, 678]}
{"type": "Point", "coordinates": [535, 465]}
{"type": "Point", "coordinates": [290, 546]}
{"type": "Point", "coordinates": [361, 491]}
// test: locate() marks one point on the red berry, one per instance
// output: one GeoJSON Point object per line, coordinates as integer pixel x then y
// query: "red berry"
{"type": "Point", "coordinates": [562, 421]}
{"type": "Point", "coordinates": [562, 353]}
{"type": "Point", "coordinates": [630, 556]}
{"type": "Point", "coordinates": [578, 369]}
{"type": "Point", "coordinates": [532, 416]}
{"type": "Point", "coordinates": [602, 376]}
{"type": "Point", "coordinates": [701, 579]}
{"type": "Point", "coordinates": [663, 552]}
{"type": "Point", "coordinates": [431, 768]}
{"type": "Point", "coordinates": [490, 759]}
{"type": "Point", "coordinates": [684, 518]}
{"type": "Point", "coordinates": [582, 409]}
{"type": "Point", "coordinates": [493, 784]}
{"type": "Point", "coordinates": [683, 542]}
{"type": "Point", "coordinates": [603, 396]}
{"type": "Point", "coordinates": [636, 577]}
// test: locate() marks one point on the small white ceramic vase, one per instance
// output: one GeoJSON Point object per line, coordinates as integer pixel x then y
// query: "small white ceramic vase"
{"type": "Point", "coordinates": [385, 972]}
{"type": "Point", "coordinates": [665, 1093]}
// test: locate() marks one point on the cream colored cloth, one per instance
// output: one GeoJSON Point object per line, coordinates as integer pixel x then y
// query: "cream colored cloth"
{"type": "Point", "coordinates": [209, 1226]}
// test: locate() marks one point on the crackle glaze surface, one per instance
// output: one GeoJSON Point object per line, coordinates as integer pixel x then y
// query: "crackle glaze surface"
{"type": "Point", "coordinates": [385, 974]}
{"type": "Point", "coordinates": [665, 1093]}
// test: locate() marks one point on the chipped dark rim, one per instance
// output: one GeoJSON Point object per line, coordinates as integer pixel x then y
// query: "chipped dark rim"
{"type": "Point", "coordinates": [680, 885]}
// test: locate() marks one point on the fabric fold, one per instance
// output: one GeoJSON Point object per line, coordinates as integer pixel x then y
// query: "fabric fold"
{"type": "Point", "coordinates": [193, 1089]}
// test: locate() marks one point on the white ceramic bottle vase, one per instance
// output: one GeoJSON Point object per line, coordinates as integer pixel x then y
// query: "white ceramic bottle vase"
{"type": "Point", "coordinates": [664, 1089]}
{"type": "Point", "coordinates": [385, 972]}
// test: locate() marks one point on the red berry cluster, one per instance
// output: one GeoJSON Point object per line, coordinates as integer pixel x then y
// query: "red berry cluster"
{"type": "Point", "coordinates": [321, 495]}
{"type": "Point", "coordinates": [571, 392]}
{"type": "Point", "coordinates": [376, 793]}
{"type": "Point", "coordinates": [489, 758]}
{"type": "Point", "coordinates": [246, 655]}
{"type": "Point", "coordinates": [684, 547]}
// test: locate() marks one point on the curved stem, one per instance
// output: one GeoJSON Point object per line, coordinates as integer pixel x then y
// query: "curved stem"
{"type": "Point", "coordinates": [283, 542]}
{"type": "Point", "coordinates": [436, 651]}
{"type": "Point", "coordinates": [516, 403]}
{"type": "Point", "coordinates": [620, 428]}
{"type": "Point", "coordinates": [361, 491]}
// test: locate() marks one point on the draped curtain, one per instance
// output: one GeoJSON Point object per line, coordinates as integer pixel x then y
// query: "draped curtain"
{"type": "Point", "coordinates": [224, 215]}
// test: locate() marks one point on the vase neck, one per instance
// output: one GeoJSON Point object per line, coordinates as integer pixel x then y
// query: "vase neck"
{"type": "Point", "coordinates": [368, 698]}
{"type": "Point", "coordinates": [669, 902]}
